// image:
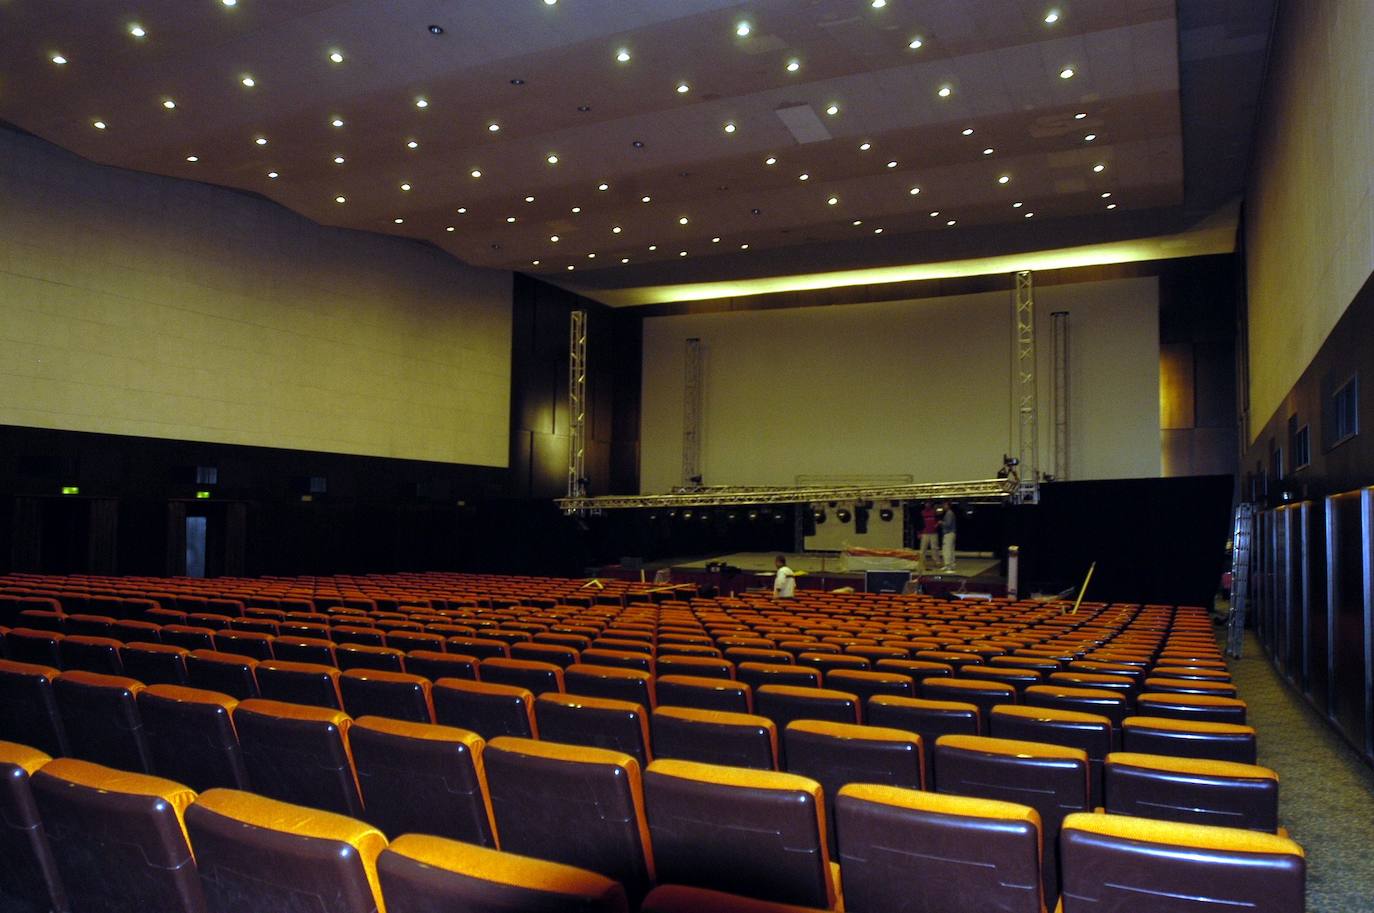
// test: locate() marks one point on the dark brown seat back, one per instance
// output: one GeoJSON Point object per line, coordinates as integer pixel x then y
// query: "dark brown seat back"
{"type": "Point", "coordinates": [28, 707]}
{"type": "Point", "coordinates": [191, 736]}
{"type": "Point", "coordinates": [371, 692]}
{"type": "Point", "coordinates": [298, 754]}
{"type": "Point", "coordinates": [1192, 791]}
{"type": "Point", "coordinates": [29, 882]}
{"type": "Point", "coordinates": [595, 722]}
{"type": "Point", "coordinates": [488, 709]}
{"type": "Point", "coordinates": [100, 716]}
{"type": "Point", "coordinates": [704, 693]}
{"type": "Point", "coordinates": [715, 737]}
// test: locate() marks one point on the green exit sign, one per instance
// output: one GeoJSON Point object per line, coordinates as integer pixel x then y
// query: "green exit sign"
{"type": "Point", "coordinates": [71, 490]}
{"type": "Point", "coordinates": [203, 495]}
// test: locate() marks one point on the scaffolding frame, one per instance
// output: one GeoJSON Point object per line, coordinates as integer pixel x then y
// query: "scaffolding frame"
{"type": "Point", "coordinates": [577, 405]}
{"type": "Point", "coordinates": [1059, 326]}
{"type": "Point", "coordinates": [691, 414]}
{"type": "Point", "coordinates": [739, 495]}
{"type": "Point", "coordinates": [1025, 395]}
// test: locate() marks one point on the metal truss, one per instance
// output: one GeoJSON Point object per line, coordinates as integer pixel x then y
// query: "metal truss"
{"type": "Point", "coordinates": [1025, 397]}
{"type": "Point", "coordinates": [976, 490]}
{"type": "Point", "coordinates": [691, 414]}
{"type": "Point", "coordinates": [1060, 402]}
{"type": "Point", "coordinates": [577, 405]}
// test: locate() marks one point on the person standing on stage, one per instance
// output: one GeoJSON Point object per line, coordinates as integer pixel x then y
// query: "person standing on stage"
{"type": "Point", "coordinates": [947, 524]}
{"type": "Point", "coordinates": [930, 542]}
{"type": "Point", "coordinates": [785, 581]}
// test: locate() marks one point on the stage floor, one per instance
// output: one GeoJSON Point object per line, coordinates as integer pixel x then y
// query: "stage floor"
{"type": "Point", "coordinates": [830, 565]}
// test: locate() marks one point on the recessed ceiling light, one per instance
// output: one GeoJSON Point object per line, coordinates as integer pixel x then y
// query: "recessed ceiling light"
{"type": "Point", "coordinates": [645, 199]}
{"type": "Point", "coordinates": [1030, 215]}
{"type": "Point", "coordinates": [273, 175]}
{"type": "Point", "coordinates": [336, 56]}
{"type": "Point", "coordinates": [968, 131]}
{"type": "Point", "coordinates": [915, 43]}
{"type": "Point", "coordinates": [1080, 115]}
{"type": "Point", "coordinates": [1106, 194]}
{"type": "Point", "coordinates": [337, 122]}
{"type": "Point", "coordinates": [59, 59]}
{"type": "Point", "coordinates": [624, 259]}
{"type": "Point", "coordinates": [743, 29]}
{"type": "Point", "coordinates": [399, 221]}
{"type": "Point", "coordinates": [553, 238]}
{"type": "Point", "coordinates": [715, 240]}
{"type": "Point", "coordinates": [803, 177]}
{"type": "Point", "coordinates": [412, 144]}
{"type": "Point", "coordinates": [436, 29]}
{"type": "Point", "coordinates": [892, 164]}
{"type": "Point", "coordinates": [99, 124]}
{"type": "Point", "coordinates": [879, 4]}
{"type": "Point", "coordinates": [534, 262]}
{"type": "Point", "coordinates": [935, 214]}
{"type": "Point", "coordinates": [638, 144]}
{"type": "Point", "coordinates": [517, 81]}
{"type": "Point", "coordinates": [1066, 73]}
{"type": "Point", "coordinates": [864, 147]}
{"type": "Point", "coordinates": [857, 222]}
{"type": "Point", "coordinates": [576, 210]}
{"type": "Point", "coordinates": [1089, 137]}
{"type": "Point", "coordinates": [248, 82]}
{"type": "Point", "coordinates": [914, 191]}
{"type": "Point", "coordinates": [550, 2]}
{"type": "Point", "coordinates": [793, 65]}
{"type": "Point", "coordinates": [476, 172]}
{"type": "Point", "coordinates": [591, 256]}
{"type": "Point", "coordinates": [744, 247]}
{"type": "Point", "coordinates": [338, 160]}
{"type": "Point", "coordinates": [462, 210]}
{"type": "Point", "coordinates": [551, 159]}
{"type": "Point", "coordinates": [192, 158]}
{"type": "Point", "coordinates": [137, 31]}
{"type": "Point", "coordinates": [1052, 17]}
{"type": "Point", "coordinates": [945, 91]}
{"type": "Point", "coordinates": [571, 267]}
{"type": "Point", "coordinates": [623, 55]}
{"type": "Point", "coordinates": [340, 199]}
{"type": "Point", "coordinates": [168, 104]}
{"type": "Point", "coordinates": [510, 220]}
{"type": "Point", "coordinates": [653, 247]}
{"type": "Point", "coordinates": [261, 141]}
{"type": "Point", "coordinates": [615, 230]}
{"type": "Point", "coordinates": [230, 2]}
{"type": "Point", "coordinates": [729, 128]}
{"type": "Point", "coordinates": [771, 160]}
{"type": "Point", "coordinates": [1099, 168]}
{"type": "Point", "coordinates": [1111, 205]}
{"type": "Point", "coordinates": [1004, 179]}
{"type": "Point", "coordinates": [952, 222]}
{"type": "Point", "coordinates": [877, 231]}
{"type": "Point", "coordinates": [832, 201]}
{"type": "Point", "coordinates": [833, 110]}
{"type": "Point", "coordinates": [1017, 205]}
{"type": "Point", "coordinates": [989, 151]}
{"type": "Point", "coordinates": [406, 186]}
{"type": "Point", "coordinates": [683, 88]}
{"type": "Point", "coordinates": [494, 128]}
{"type": "Point", "coordinates": [682, 253]}
{"type": "Point", "coordinates": [682, 221]}
{"type": "Point", "coordinates": [422, 102]}
{"type": "Point", "coordinates": [603, 186]}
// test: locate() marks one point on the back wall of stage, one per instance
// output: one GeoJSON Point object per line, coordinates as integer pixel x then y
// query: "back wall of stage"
{"type": "Point", "coordinates": [917, 387]}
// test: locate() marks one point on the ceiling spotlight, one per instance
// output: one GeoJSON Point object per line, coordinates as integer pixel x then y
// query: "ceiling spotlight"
{"type": "Point", "coordinates": [422, 102]}
{"type": "Point", "coordinates": [1089, 137]}
{"type": "Point", "coordinates": [1080, 115]}
{"type": "Point", "coordinates": [1066, 73]}
{"type": "Point", "coordinates": [338, 160]}
{"type": "Point", "coordinates": [553, 238]}
{"type": "Point", "coordinates": [261, 141]}
{"type": "Point", "coordinates": [877, 231]}
{"type": "Point", "coordinates": [1052, 17]}
{"type": "Point", "coordinates": [476, 172]}
{"type": "Point", "coordinates": [945, 91]}
{"type": "Point", "coordinates": [879, 4]}
{"type": "Point", "coordinates": [833, 110]}
{"type": "Point", "coordinates": [1017, 205]}
{"type": "Point", "coordinates": [624, 259]}
{"type": "Point", "coordinates": [623, 55]}
{"type": "Point", "coordinates": [832, 201]}
{"type": "Point", "coordinates": [336, 56]}
{"type": "Point", "coordinates": [743, 29]}
{"type": "Point", "coordinates": [968, 131]}
{"type": "Point", "coordinates": [248, 82]}
{"type": "Point", "coordinates": [462, 210]}
{"type": "Point", "coordinates": [337, 122]}
{"type": "Point", "coordinates": [615, 230]}
{"type": "Point", "coordinates": [715, 240]}
{"type": "Point", "coordinates": [137, 31]}
{"type": "Point", "coordinates": [168, 104]}
{"type": "Point", "coordinates": [803, 177]}
{"type": "Point", "coordinates": [682, 221]}
{"type": "Point", "coordinates": [571, 267]}
{"type": "Point", "coordinates": [551, 159]}
{"type": "Point", "coordinates": [935, 214]}
{"type": "Point", "coordinates": [1030, 215]}
{"type": "Point", "coordinates": [494, 128]}
{"type": "Point", "coordinates": [273, 175]}
{"type": "Point", "coordinates": [99, 124]}
{"type": "Point", "coordinates": [914, 191]}
{"type": "Point", "coordinates": [550, 2]}
{"type": "Point", "coordinates": [603, 186]}
{"type": "Point", "coordinates": [517, 81]}
{"type": "Point", "coordinates": [653, 247]}
{"type": "Point", "coordinates": [793, 65]}
{"type": "Point", "coordinates": [1111, 205]}
{"type": "Point", "coordinates": [989, 151]}
{"type": "Point", "coordinates": [576, 210]}
{"type": "Point", "coordinates": [951, 222]}
{"type": "Point", "coordinates": [744, 247]}
{"type": "Point", "coordinates": [192, 158]}
{"type": "Point", "coordinates": [682, 253]}
{"type": "Point", "coordinates": [436, 30]}
{"type": "Point", "coordinates": [892, 164]}
{"type": "Point", "coordinates": [399, 221]}
{"type": "Point", "coordinates": [771, 160]}
{"type": "Point", "coordinates": [730, 128]}
{"type": "Point", "coordinates": [1099, 168]}
{"type": "Point", "coordinates": [683, 88]}
{"type": "Point", "coordinates": [412, 144]}
{"type": "Point", "coordinates": [1004, 179]}
{"type": "Point", "coordinates": [591, 256]}
{"type": "Point", "coordinates": [864, 147]}
{"type": "Point", "coordinates": [510, 220]}
{"type": "Point", "coordinates": [1106, 194]}
{"type": "Point", "coordinates": [405, 186]}
{"type": "Point", "coordinates": [915, 43]}
{"type": "Point", "coordinates": [857, 222]}
{"type": "Point", "coordinates": [340, 199]}
{"type": "Point", "coordinates": [529, 199]}
{"type": "Point", "coordinates": [230, 2]}
{"type": "Point", "coordinates": [645, 199]}
{"type": "Point", "coordinates": [59, 59]}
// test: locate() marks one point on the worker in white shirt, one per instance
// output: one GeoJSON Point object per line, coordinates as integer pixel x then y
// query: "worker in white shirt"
{"type": "Point", "coordinates": [785, 581]}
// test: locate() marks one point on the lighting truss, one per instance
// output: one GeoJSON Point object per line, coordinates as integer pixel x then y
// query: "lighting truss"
{"type": "Point", "coordinates": [719, 496]}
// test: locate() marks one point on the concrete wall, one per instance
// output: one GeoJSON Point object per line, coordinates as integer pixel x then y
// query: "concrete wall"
{"type": "Point", "coordinates": [140, 305]}
{"type": "Point", "coordinates": [920, 388]}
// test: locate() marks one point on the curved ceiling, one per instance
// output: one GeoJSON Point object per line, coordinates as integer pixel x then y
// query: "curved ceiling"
{"type": "Point", "coordinates": [657, 141]}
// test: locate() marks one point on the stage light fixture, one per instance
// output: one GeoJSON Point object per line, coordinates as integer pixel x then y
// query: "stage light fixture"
{"type": "Point", "coordinates": [818, 514]}
{"type": "Point", "coordinates": [885, 514]}
{"type": "Point", "coordinates": [843, 515]}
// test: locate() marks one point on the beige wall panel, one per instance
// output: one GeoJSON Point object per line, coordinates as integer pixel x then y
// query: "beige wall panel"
{"type": "Point", "coordinates": [1310, 212]}
{"type": "Point", "coordinates": [133, 304]}
{"type": "Point", "coordinates": [912, 387]}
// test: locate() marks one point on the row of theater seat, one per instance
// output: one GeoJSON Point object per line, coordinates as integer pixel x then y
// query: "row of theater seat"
{"type": "Point", "coordinates": [81, 836]}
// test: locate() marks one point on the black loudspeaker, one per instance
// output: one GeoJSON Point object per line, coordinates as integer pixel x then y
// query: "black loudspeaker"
{"type": "Point", "coordinates": [860, 520]}
{"type": "Point", "coordinates": [808, 523]}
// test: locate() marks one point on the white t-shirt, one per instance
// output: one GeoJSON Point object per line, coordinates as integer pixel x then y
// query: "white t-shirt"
{"type": "Point", "coordinates": [785, 583]}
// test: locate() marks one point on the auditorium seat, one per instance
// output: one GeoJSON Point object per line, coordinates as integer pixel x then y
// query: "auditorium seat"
{"type": "Point", "coordinates": [34, 646]}
{"type": "Point", "coordinates": [297, 649]}
{"type": "Point", "coordinates": [1098, 681]}
{"type": "Point", "coordinates": [406, 641]}
{"type": "Point", "coordinates": [371, 692]}
{"type": "Point", "coordinates": [155, 663]}
{"type": "Point", "coordinates": [625, 659]}
{"type": "Point", "coordinates": [1201, 707]}
{"type": "Point", "coordinates": [91, 653]}
{"type": "Point", "coordinates": [483, 648]}
{"type": "Point", "coordinates": [1163, 685]}
{"type": "Point", "coordinates": [611, 682]}
{"type": "Point", "coordinates": [364, 656]}
{"type": "Point", "coordinates": [558, 654]}
{"type": "Point", "coordinates": [51, 620]}
{"type": "Point", "coordinates": [1111, 704]}
{"type": "Point", "coordinates": [1089, 731]}
{"type": "Point", "coordinates": [1122, 864]}
{"type": "Point", "coordinates": [1189, 739]}
{"type": "Point", "coordinates": [1051, 779]}
{"type": "Point", "coordinates": [532, 675]}
{"type": "Point", "coordinates": [245, 643]}
{"type": "Point", "coordinates": [257, 853]}
{"type": "Point", "coordinates": [29, 882]}
{"type": "Point", "coordinates": [676, 898]}
{"type": "Point", "coordinates": [1020, 679]}
{"type": "Point", "coordinates": [783, 703]}
{"type": "Point", "coordinates": [424, 874]}
{"type": "Point", "coordinates": [982, 694]}
{"type": "Point", "coordinates": [314, 684]}
{"type": "Point", "coordinates": [715, 737]}
{"type": "Point", "coordinates": [837, 754]}
{"type": "Point", "coordinates": [28, 707]}
{"type": "Point", "coordinates": [356, 634]}
{"type": "Point", "coordinates": [825, 663]}
{"type": "Point", "coordinates": [704, 693]}
{"type": "Point", "coordinates": [921, 852]}
{"type": "Point", "coordinates": [192, 637]}
{"type": "Point", "coordinates": [191, 736]}
{"type": "Point", "coordinates": [864, 684]}
{"type": "Point", "coordinates": [595, 722]}
{"type": "Point", "coordinates": [488, 709]}
{"type": "Point", "coordinates": [118, 838]}
{"type": "Point", "coordinates": [229, 673]}
{"type": "Point", "coordinates": [101, 719]}
{"type": "Point", "coordinates": [435, 665]}
{"type": "Point", "coordinates": [750, 832]}
{"type": "Point", "coordinates": [88, 625]}
{"type": "Point", "coordinates": [757, 674]}
{"type": "Point", "coordinates": [695, 666]}
{"type": "Point", "coordinates": [298, 754]}
{"type": "Point", "coordinates": [422, 778]}
{"type": "Point", "coordinates": [1192, 791]}
{"type": "Point", "coordinates": [1198, 673]}
{"type": "Point", "coordinates": [129, 630]}
{"type": "Point", "coordinates": [571, 804]}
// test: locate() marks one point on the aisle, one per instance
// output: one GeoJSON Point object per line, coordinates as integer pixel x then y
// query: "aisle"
{"type": "Point", "coordinates": [1326, 793]}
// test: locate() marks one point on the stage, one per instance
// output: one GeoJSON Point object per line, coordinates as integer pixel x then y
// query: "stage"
{"type": "Point", "coordinates": [739, 571]}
